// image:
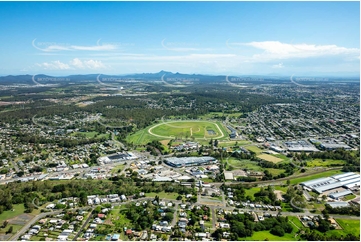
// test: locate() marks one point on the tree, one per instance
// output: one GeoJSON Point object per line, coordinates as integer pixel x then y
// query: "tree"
{"type": "Point", "coordinates": [277, 230]}
{"type": "Point", "coordinates": [10, 230]}
{"type": "Point", "coordinates": [5, 223]}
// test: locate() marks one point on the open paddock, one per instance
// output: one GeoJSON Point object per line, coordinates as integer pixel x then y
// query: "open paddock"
{"type": "Point", "coordinates": [269, 158]}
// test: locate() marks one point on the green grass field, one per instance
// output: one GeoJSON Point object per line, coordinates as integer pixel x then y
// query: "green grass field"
{"type": "Point", "coordinates": [281, 188]}
{"type": "Point", "coordinates": [181, 130]}
{"type": "Point", "coordinates": [269, 158]}
{"type": "Point", "coordinates": [254, 149]}
{"type": "Point", "coordinates": [250, 192]}
{"type": "Point", "coordinates": [161, 195]}
{"type": "Point", "coordinates": [18, 209]}
{"type": "Point", "coordinates": [316, 176]}
{"type": "Point", "coordinates": [275, 172]}
{"type": "Point", "coordinates": [142, 137]}
{"type": "Point", "coordinates": [117, 168]}
{"type": "Point", "coordinates": [295, 221]}
{"type": "Point", "coordinates": [349, 226]}
{"type": "Point", "coordinates": [327, 162]}
{"type": "Point", "coordinates": [349, 197]}
{"type": "Point", "coordinates": [233, 143]}
{"type": "Point", "coordinates": [187, 129]}
{"type": "Point", "coordinates": [16, 228]}
{"type": "Point", "coordinates": [266, 235]}
{"type": "Point", "coordinates": [244, 164]}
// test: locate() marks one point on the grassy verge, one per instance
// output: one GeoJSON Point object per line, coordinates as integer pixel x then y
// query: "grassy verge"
{"type": "Point", "coordinates": [316, 176]}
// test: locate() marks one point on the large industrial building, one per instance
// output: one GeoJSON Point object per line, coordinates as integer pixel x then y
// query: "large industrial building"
{"type": "Point", "coordinates": [349, 180]}
{"type": "Point", "coordinates": [190, 161]}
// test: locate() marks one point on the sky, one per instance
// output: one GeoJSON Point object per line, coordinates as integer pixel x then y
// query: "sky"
{"type": "Point", "coordinates": [228, 38]}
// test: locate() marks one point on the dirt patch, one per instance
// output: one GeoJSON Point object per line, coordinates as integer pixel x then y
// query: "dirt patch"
{"type": "Point", "coordinates": [5, 237]}
{"type": "Point", "coordinates": [21, 219]}
{"type": "Point", "coordinates": [269, 158]}
{"type": "Point", "coordinates": [278, 194]}
{"type": "Point", "coordinates": [165, 142]}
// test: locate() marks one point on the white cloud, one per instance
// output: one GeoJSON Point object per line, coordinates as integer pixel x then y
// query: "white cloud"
{"type": "Point", "coordinates": [279, 50]}
{"type": "Point", "coordinates": [54, 47]}
{"type": "Point", "coordinates": [54, 65]}
{"type": "Point", "coordinates": [94, 64]}
{"type": "Point", "coordinates": [75, 64]}
{"type": "Point", "coordinates": [279, 65]}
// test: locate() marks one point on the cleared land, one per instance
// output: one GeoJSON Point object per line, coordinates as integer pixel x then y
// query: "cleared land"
{"type": "Point", "coordinates": [270, 158]}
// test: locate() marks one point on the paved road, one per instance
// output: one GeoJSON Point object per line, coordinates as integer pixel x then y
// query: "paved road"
{"type": "Point", "coordinates": [174, 221]}
{"type": "Point", "coordinates": [214, 217]}
{"type": "Point", "coordinates": [31, 222]}
{"type": "Point", "coordinates": [84, 225]}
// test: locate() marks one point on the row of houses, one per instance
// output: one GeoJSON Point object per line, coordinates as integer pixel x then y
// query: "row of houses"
{"type": "Point", "coordinates": [95, 199]}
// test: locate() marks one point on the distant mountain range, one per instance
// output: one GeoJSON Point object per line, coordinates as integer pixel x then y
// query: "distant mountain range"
{"type": "Point", "coordinates": [167, 77]}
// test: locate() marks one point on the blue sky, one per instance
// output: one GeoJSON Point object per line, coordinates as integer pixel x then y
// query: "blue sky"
{"type": "Point", "coordinates": [230, 38]}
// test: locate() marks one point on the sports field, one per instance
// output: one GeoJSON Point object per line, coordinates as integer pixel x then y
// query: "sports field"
{"type": "Point", "coordinates": [187, 129]}
{"type": "Point", "coordinates": [270, 158]}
